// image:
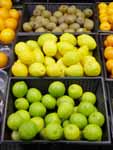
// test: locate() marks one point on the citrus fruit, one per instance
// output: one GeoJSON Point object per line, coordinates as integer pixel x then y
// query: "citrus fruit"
{"type": "Point", "coordinates": [52, 117]}
{"type": "Point", "coordinates": [65, 123]}
{"type": "Point", "coordinates": [2, 24]}
{"type": "Point", "coordinates": [43, 134]}
{"type": "Point", "coordinates": [48, 60]}
{"type": "Point", "coordinates": [66, 99]}
{"type": "Point", "coordinates": [33, 95]}
{"type": "Point", "coordinates": [15, 136]}
{"type": "Point", "coordinates": [75, 109]}
{"type": "Point", "coordinates": [54, 131]}
{"type": "Point", "coordinates": [75, 91]}
{"type": "Point", "coordinates": [21, 103]}
{"type": "Point", "coordinates": [11, 23]}
{"type": "Point", "coordinates": [6, 3]}
{"type": "Point", "coordinates": [56, 89]}
{"type": "Point", "coordinates": [92, 132]}
{"type": "Point", "coordinates": [65, 110]}
{"type": "Point", "coordinates": [88, 97]}
{"type": "Point", "coordinates": [108, 52]}
{"type": "Point", "coordinates": [49, 101]}
{"type": "Point", "coordinates": [23, 114]}
{"type": "Point", "coordinates": [33, 45]}
{"type": "Point", "coordinates": [7, 35]}
{"type": "Point", "coordinates": [109, 40]}
{"type": "Point", "coordinates": [37, 109]}
{"type": "Point", "coordinates": [19, 89]}
{"type": "Point", "coordinates": [96, 118]}
{"type": "Point", "coordinates": [28, 130]}
{"type": "Point", "coordinates": [102, 5]}
{"type": "Point", "coordinates": [86, 108]}
{"type": "Point", "coordinates": [13, 13]}
{"type": "Point", "coordinates": [71, 132]}
{"type": "Point", "coordinates": [3, 59]}
{"type": "Point", "coordinates": [39, 123]}
{"type": "Point", "coordinates": [105, 26]}
{"type": "Point", "coordinates": [78, 119]}
{"type": "Point", "coordinates": [4, 13]}
{"type": "Point", "coordinates": [14, 121]}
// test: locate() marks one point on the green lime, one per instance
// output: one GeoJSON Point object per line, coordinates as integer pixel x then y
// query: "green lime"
{"type": "Point", "coordinates": [37, 109]}
{"type": "Point", "coordinates": [49, 101]}
{"type": "Point", "coordinates": [19, 89]}
{"type": "Point", "coordinates": [34, 95]}
{"type": "Point", "coordinates": [23, 114]}
{"type": "Point", "coordinates": [21, 103]}
{"type": "Point", "coordinates": [56, 89]}
{"type": "Point", "coordinates": [88, 97]}
{"type": "Point", "coordinates": [65, 123]}
{"type": "Point", "coordinates": [15, 135]}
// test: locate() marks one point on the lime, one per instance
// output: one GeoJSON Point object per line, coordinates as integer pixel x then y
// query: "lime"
{"type": "Point", "coordinates": [75, 109]}
{"type": "Point", "coordinates": [39, 122]}
{"type": "Point", "coordinates": [28, 130]}
{"type": "Point", "coordinates": [54, 131]}
{"type": "Point", "coordinates": [49, 101]}
{"type": "Point", "coordinates": [96, 118]}
{"type": "Point", "coordinates": [56, 89]}
{"type": "Point", "coordinates": [92, 132]}
{"type": "Point", "coordinates": [21, 103]}
{"type": "Point", "coordinates": [65, 123]}
{"type": "Point", "coordinates": [34, 95]}
{"type": "Point", "coordinates": [15, 135]}
{"type": "Point", "coordinates": [75, 91]}
{"type": "Point", "coordinates": [43, 134]}
{"type": "Point", "coordinates": [52, 117]}
{"type": "Point", "coordinates": [88, 97]}
{"type": "Point", "coordinates": [65, 110]}
{"type": "Point", "coordinates": [65, 98]}
{"type": "Point", "coordinates": [71, 132]}
{"type": "Point", "coordinates": [86, 108]}
{"type": "Point", "coordinates": [23, 114]}
{"type": "Point", "coordinates": [19, 89]}
{"type": "Point", "coordinates": [78, 119]}
{"type": "Point", "coordinates": [14, 121]}
{"type": "Point", "coordinates": [37, 109]}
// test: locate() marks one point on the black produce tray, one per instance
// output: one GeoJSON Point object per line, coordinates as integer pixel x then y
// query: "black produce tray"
{"type": "Point", "coordinates": [29, 7]}
{"type": "Point", "coordinates": [109, 87]}
{"type": "Point", "coordinates": [94, 85]}
{"type": "Point", "coordinates": [102, 37]}
{"type": "Point", "coordinates": [31, 36]}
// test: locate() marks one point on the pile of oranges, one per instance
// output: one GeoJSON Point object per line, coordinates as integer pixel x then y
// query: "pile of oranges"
{"type": "Point", "coordinates": [9, 19]}
{"type": "Point", "coordinates": [106, 16]}
{"type": "Point", "coordinates": [108, 53]}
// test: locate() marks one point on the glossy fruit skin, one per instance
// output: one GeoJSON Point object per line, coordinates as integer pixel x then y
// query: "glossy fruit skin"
{"type": "Point", "coordinates": [3, 60]}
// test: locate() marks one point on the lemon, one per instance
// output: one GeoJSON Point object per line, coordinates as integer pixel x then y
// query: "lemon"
{"type": "Point", "coordinates": [32, 44]}
{"type": "Point", "coordinates": [48, 60]}
{"type": "Point", "coordinates": [39, 56]}
{"type": "Point", "coordinates": [19, 69]}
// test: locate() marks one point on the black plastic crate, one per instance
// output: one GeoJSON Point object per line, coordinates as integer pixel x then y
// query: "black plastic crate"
{"type": "Point", "coordinates": [109, 86]}
{"type": "Point", "coordinates": [29, 7]}
{"type": "Point", "coordinates": [24, 37]}
{"type": "Point", "coordinates": [94, 85]}
{"type": "Point", "coordinates": [102, 47]}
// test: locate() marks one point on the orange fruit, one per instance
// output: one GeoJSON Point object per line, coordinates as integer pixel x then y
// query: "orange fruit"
{"type": "Point", "coordinates": [110, 19]}
{"type": "Point", "coordinates": [4, 13]}
{"type": "Point", "coordinates": [102, 5]}
{"type": "Point", "coordinates": [103, 18]}
{"type": "Point", "coordinates": [3, 59]}
{"type": "Point", "coordinates": [6, 3]}
{"type": "Point", "coordinates": [14, 13]}
{"type": "Point", "coordinates": [105, 43]}
{"type": "Point", "coordinates": [105, 26]}
{"type": "Point", "coordinates": [2, 25]}
{"type": "Point", "coordinates": [109, 40]}
{"type": "Point", "coordinates": [110, 5]}
{"type": "Point", "coordinates": [110, 11]}
{"type": "Point", "coordinates": [102, 11]}
{"type": "Point", "coordinates": [108, 52]}
{"type": "Point", "coordinates": [7, 35]}
{"type": "Point", "coordinates": [109, 64]}
{"type": "Point", "coordinates": [11, 23]}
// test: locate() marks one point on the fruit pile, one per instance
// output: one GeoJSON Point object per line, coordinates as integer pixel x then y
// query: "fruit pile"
{"type": "Point", "coordinates": [9, 18]}
{"type": "Point", "coordinates": [54, 115]}
{"type": "Point", "coordinates": [108, 54]}
{"type": "Point", "coordinates": [65, 19]}
{"type": "Point", "coordinates": [50, 56]}
{"type": "Point", "coordinates": [106, 16]}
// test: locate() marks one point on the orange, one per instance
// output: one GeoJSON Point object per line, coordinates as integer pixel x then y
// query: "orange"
{"type": "Point", "coordinates": [6, 3]}
{"type": "Point", "coordinates": [105, 26]}
{"type": "Point", "coordinates": [110, 5]}
{"type": "Point", "coordinates": [108, 52]}
{"type": "Point", "coordinates": [4, 13]}
{"type": "Point", "coordinates": [11, 23]}
{"type": "Point", "coordinates": [2, 25]}
{"type": "Point", "coordinates": [102, 11]}
{"type": "Point", "coordinates": [105, 43]}
{"type": "Point", "coordinates": [110, 11]}
{"type": "Point", "coordinates": [14, 13]}
{"type": "Point", "coordinates": [110, 19]}
{"type": "Point", "coordinates": [3, 60]}
{"type": "Point", "coordinates": [7, 36]}
{"type": "Point", "coordinates": [109, 40]}
{"type": "Point", "coordinates": [109, 64]}
{"type": "Point", "coordinates": [102, 5]}
{"type": "Point", "coordinates": [103, 18]}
